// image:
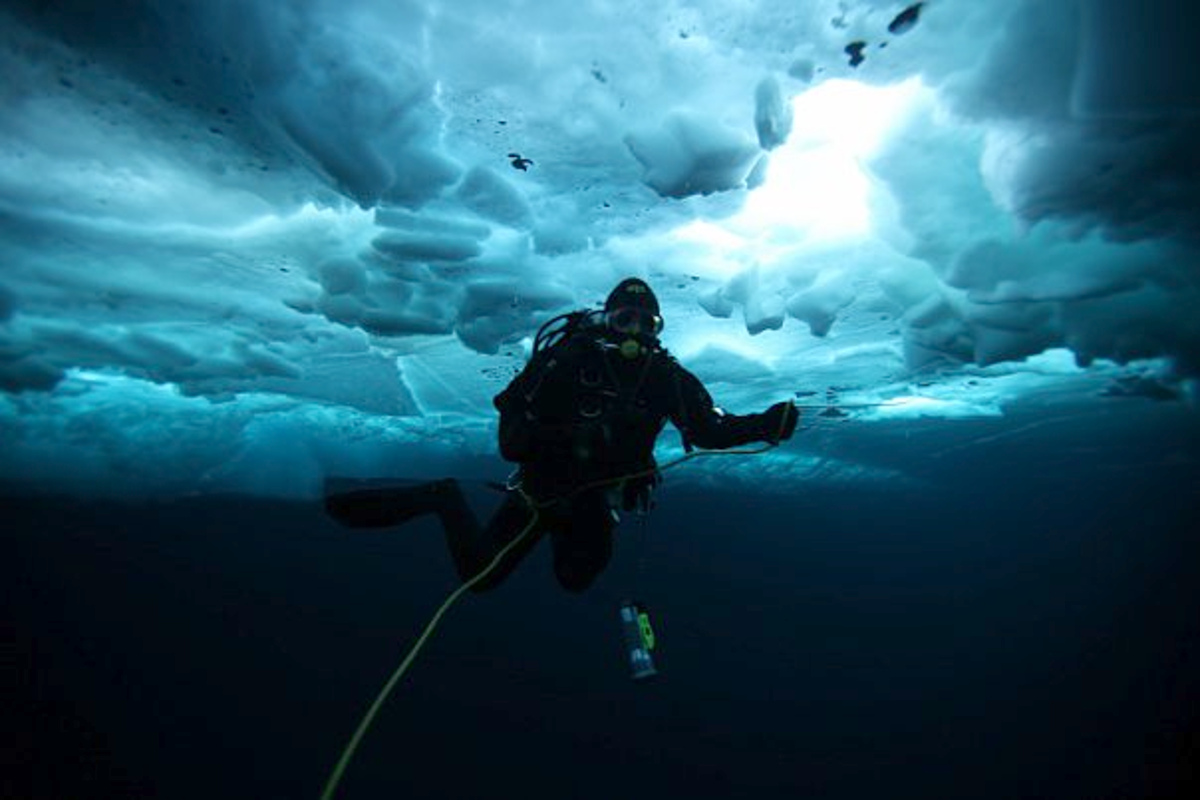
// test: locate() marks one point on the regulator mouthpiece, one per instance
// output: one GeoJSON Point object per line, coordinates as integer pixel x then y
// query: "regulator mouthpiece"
{"type": "Point", "coordinates": [631, 348]}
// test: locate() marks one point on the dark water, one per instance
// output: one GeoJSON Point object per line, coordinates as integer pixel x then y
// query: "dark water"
{"type": "Point", "coordinates": [1004, 632]}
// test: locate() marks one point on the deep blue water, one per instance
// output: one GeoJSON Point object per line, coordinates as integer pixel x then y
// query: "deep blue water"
{"type": "Point", "coordinates": [1004, 632]}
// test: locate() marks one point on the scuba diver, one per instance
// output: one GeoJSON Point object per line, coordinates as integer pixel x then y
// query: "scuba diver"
{"type": "Point", "coordinates": [580, 421]}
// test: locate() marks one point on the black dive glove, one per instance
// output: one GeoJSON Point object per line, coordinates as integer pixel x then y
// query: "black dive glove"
{"type": "Point", "coordinates": [779, 422]}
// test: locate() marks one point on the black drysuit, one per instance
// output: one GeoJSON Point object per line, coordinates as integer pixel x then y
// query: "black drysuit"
{"type": "Point", "coordinates": [581, 420]}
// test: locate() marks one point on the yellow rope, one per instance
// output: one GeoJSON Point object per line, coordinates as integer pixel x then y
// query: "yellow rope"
{"type": "Point", "coordinates": [336, 776]}
{"type": "Point", "coordinates": [339, 769]}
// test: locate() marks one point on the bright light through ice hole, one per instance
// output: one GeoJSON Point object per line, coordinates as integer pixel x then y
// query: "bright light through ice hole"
{"type": "Point", "coordinates": [815, 188]}
{"type": "Point", "coordinates": [815, 180]}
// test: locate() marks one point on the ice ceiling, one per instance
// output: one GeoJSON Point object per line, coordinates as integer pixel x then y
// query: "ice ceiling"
{"type": "Point", "coordinates": [245, 244]}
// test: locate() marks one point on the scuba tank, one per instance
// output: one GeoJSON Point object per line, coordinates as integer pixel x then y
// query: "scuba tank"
{"type": "Point", "coordinates": [517, 421]}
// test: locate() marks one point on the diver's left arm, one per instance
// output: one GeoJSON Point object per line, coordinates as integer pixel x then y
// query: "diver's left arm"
{"type": "Point", "coordinates": [704, 425]}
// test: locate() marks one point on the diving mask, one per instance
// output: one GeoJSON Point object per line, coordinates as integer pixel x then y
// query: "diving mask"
{"type": "Point", "coordinates": [634, 321]}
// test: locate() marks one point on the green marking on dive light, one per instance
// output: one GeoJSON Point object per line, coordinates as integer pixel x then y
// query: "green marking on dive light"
{"type": "Point", "coordinates": [647, 631]}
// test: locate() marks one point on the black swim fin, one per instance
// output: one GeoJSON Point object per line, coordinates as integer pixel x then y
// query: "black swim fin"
{"type": "Point", "coordinates": [384, 506]}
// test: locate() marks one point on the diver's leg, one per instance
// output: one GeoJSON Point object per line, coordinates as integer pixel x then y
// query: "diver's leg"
{"type": "Point", "coordinates": [383, 507]}
{"type": "Point", "coordinates": [514, 518]}
{"type": "Point", "coordinates": [583, 548]}
{"type": "Point", "coordinates": [471, 546]}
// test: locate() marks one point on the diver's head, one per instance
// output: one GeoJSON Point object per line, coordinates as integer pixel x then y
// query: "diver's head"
{"type": "Point", "coordinates": [631, 310]}
{"type": "Point", "coordinates": [631, 315]}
